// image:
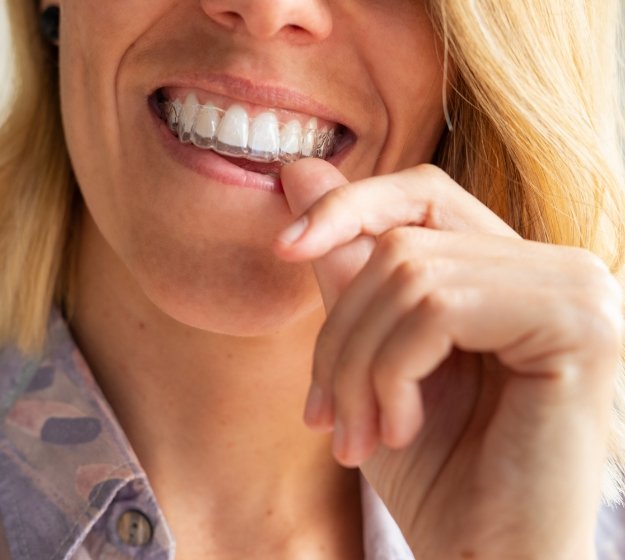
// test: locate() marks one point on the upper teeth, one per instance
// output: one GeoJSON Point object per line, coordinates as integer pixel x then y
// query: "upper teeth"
{"type": "Point", "coordinates": [233, 132]}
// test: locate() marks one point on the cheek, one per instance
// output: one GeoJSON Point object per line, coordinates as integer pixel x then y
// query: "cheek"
{"type": "Point", "coordinates": [89, 59]}
{"type": "Point", "coordinates": [411, 88]}
{"type": "Point", "coordinates": [419, 133]}
{"type": "Point", "coordinates": [96, 37]}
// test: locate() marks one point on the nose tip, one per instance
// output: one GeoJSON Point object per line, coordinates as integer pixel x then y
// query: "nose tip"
{"type": "Point", "coordinates": [309, 20]}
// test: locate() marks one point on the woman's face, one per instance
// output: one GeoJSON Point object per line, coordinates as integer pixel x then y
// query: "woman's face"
{"type": "Point", "coordinates": [185, 222]}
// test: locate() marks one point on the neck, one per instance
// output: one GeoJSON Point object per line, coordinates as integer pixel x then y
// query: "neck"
{"type": "Point", "coordinates": [215, 420]}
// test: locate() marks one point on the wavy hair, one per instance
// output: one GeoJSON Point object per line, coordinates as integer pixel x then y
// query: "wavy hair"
{"type": "Point", "coordinates": [536, 134]}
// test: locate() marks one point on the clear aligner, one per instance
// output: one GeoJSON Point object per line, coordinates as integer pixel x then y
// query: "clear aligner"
{"type": "Point", "coordinates": [233, 133]}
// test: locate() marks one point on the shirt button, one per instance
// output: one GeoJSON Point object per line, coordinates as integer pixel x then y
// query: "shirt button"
{"type": "Point", "coordinates": [134, 528]}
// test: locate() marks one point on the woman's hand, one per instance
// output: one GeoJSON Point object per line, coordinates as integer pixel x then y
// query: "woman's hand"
{"type": "Point", "coordinates": [467, 371]}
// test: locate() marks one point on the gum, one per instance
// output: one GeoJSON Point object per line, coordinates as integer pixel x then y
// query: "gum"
{"type": "Point", "coordinates": [321, 143]}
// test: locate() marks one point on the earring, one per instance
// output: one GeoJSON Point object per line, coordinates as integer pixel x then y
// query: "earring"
{"type": "Point", "coordinates": [49, 23]}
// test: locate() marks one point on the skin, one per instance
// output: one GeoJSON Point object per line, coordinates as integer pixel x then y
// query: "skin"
{"type": "Point", "coordinates": [202, 328]}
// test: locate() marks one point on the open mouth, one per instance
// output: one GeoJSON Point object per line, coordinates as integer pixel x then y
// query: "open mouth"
{"type": "Point", "coordinates": [258, 139]}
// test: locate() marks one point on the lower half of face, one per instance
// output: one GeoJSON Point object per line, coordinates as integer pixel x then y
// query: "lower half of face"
{"type": "Point", "coordinates": [178, 124]}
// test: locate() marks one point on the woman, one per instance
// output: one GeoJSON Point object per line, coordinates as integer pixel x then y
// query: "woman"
{"type": "Point", "coordinates": [444, 267]}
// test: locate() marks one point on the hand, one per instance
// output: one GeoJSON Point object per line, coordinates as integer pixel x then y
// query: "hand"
{"type": "Point", "coordinates": [468, 372]}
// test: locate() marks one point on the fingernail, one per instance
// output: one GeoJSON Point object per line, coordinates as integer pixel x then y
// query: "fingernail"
{"type": "Point", "coordinates": [294, 232]}
{"type": "Point", "coordinates": [314, 404]}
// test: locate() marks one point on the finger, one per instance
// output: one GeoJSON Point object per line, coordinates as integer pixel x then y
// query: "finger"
{"type": "Point", "coordinates": [400, 295]}
{"type": "Point", "coordinates": [307, 180]}
{"type": "Point", "coordinates": [342, 319]}
{"type": "Point", "coordinates": [355, 402]}
{"type": "Point", "coordinates": [356, 424]}
{"type": "Point", "coordinates": [484, 319]}
{"type": "Point", "coordinates": [422, 196]}
{"type": "Point", "coordinates": [475, 259]}
{"type": "Point", "coordinates": [395, 373]}
{"type": "Point", "coordinates": [370, 298]}
{"type": "Point", "coordinates": [304, 183]}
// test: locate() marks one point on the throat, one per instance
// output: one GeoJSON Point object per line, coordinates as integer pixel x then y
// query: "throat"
{"type": "Point", "coordinates": [325, 522]}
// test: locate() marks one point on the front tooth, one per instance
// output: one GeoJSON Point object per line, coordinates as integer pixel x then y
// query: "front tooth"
{"type": "Point", "coordinates": [206, 124]}
{"type": "Point", "coordinates": [234, 128]}
{"type": "Point", "coordinates": [264, 140]}
{"type": "Point", "coordinates": [290, 139]}
{"type": "Point", "coordinates": [187, 117]}
{"type": "Point", "coordinates": [310, 134]}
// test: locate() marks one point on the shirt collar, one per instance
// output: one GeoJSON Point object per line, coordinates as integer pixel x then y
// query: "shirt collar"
{"type": "Point", "coordinates": [66, 461]}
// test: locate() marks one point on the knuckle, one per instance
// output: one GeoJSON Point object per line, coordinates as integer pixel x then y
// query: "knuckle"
{"type": "Point", "coordinates": [439, 302]}
{"type": "Point", "coordinates": [611, 288]}
{"type": "Point", "coordinates": [599, 319]}
{"type": "Point", "coordinates": [330, 203]}
{"type": "Point", "coordinates": [605, 322]}
{"type": "Point", "coordinates": [439, 181]}
{"type": "Point", "coordinates": [340, 196]}
{"type": "Point", "coordinates": [391, 244]}
{"type": "Point", "coordinates": [588, 265]}
{"type": "Point", "coordinates": [408, 272]}
{"type": "Point", "coordinates": [593, 261]}
{"type": "Point", "coordinates": [431, 172]}
{"type": "Point", "coordinates": [600, 292]}
{"type": "Point", "coordinates": [412, 277]}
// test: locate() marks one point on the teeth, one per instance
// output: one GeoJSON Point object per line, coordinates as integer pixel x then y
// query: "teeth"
{"type": "Point", "coordinates": [173, 114]}
{"type": "Point", "coordinates": [234, 130]}
{"type": "Point", "coordinates": [205, 129]}
{"type": "Point", "coordinates": [324, 144]}
{"type": "Point", "coordinates": [290, 140]}
{"type": "Point", "coordinates": [233, 133]}
{"type": "Point", "coordinates": [264, 140]}
{"type": "Point", "coordinates": [187, 117]}
{"type": "Point", "coordinates": [308, 141]}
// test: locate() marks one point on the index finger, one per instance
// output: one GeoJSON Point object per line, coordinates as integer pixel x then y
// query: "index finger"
{"type": "Point", "coordinates": [422, 196]}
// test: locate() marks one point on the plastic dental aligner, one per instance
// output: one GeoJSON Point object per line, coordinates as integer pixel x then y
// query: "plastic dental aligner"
{"type": "Point", "coordinates": [285, 143]}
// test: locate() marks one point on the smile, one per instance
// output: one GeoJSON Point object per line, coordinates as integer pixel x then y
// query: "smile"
{"type": "Point", "coordinates": [241, 130]}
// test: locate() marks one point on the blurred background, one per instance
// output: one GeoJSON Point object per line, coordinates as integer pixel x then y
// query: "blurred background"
{"type": "Point", "coordinates": [4, 55]}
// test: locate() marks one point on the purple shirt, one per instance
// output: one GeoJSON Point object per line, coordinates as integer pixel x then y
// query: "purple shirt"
{"type": "Point", "coordinates": [68, 473]}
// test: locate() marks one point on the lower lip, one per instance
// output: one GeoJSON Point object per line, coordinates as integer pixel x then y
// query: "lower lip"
{"type": "Point", "coordinates": [211, 165]}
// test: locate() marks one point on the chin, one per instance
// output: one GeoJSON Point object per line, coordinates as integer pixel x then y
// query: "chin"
{"type": "Point", "coordinates": [232, 304]}
{"type": "Point", "coordinates": [233, 320]}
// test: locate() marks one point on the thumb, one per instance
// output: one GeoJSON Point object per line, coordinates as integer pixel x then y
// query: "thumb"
{"type": "Point", "coordinates": [304, 183]}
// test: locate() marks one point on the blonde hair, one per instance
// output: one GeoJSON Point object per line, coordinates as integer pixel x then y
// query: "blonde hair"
{"type": "Point", "coordinates": [536, 135]}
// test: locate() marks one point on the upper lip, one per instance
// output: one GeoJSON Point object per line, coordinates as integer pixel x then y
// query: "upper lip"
{"type": "Point", "coordinates": [247, 90]}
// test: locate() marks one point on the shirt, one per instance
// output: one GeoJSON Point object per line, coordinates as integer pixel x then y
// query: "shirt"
{"type": "Point", "coordinates": [72, 488]}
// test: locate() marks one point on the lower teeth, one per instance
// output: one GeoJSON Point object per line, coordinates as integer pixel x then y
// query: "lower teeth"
{"type": "Point", "coordinates": [204, 133]}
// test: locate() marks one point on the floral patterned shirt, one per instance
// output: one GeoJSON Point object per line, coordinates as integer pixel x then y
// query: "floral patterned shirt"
{"type": "Point", "coordinates": [72, 488]}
